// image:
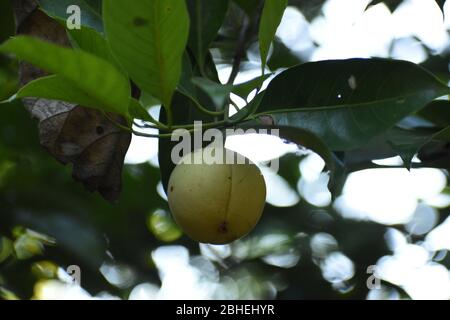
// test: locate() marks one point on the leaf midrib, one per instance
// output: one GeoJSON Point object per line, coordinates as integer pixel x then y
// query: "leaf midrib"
{"type": "Point", "coordinates": [339, 106]}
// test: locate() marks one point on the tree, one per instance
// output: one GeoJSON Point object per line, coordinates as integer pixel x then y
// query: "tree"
{"type": "Point", "coordinates": [91, 87]}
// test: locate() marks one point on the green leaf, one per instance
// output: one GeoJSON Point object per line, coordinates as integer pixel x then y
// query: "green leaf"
{"type": "Point", "coordinates": [310, 9]}
{"type": "Point", "coordinates": [270, 19]}
{"type": "Point", "coordinates": [206, 18]}
{"type": "Point", "coordinates": [137, 111]}
{"type": "Point", "coordinates": [86, 73]}
{"type": "Point", "coordinates": [407, 143]}
{"type": "Point", "coordinates": [186, 85]}
{"type": "Point", "coordinates": [219, 93]}
{"type": "Point", "coordinates": [249, 6]}
{"type": "Point", "coordinates": [348, 102]}
{"type": "Point", "coordinates": [443, 135]}
{"type": "Point", "coordinates": [90, 11]}
{"type": "Point", "coordinates": [147, 100]}
{"type": "Point", "coordinates": [148, 38]}
{"type": "Point", "coordinates": [282, 57]}
{"type": "Point", "coordinates": [438, 112]}
{"type": "Point", "coordinates": [391, 4]}
{"type": "Point", "coordinates": [245, 88]}
{"type": "Point", "coordinates": [56, 87]}
{"type": "Point", "coordinates": [90, 40]}
{"type": "Point", "coordinates": [441, 4]}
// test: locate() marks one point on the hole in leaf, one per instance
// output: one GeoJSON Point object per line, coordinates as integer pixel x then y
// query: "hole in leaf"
{"type": "Point", "coordinates": [99, 130]}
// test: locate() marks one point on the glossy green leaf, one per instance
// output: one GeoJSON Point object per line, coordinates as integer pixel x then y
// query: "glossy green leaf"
{"type": "Point", "coordinates": [90, 11]}
{"type": "Point", "coordinates": [206, 18]}
{"type": "Point", "coordinates": [148, 38]}
{"type": "Point", "coordinates": [56, 87]}
{"type": "Point", "coordinates": [270, 19]}
{"type": "Point", "coordinates": [218, 93]}
{"type": "Point", "coordinates": [348, 102]}
{"type": "Point", "coordinates": [137, 111]}
{"type": "Point", "coordinates": [86, 73]}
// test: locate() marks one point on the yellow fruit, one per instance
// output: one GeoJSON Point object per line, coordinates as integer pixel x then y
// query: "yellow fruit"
{"type": "Point", "coordinates": [216, 203]}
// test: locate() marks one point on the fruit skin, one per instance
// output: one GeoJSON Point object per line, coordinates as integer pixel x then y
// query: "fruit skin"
{"type": "Point", "coordinates": [216, 203]}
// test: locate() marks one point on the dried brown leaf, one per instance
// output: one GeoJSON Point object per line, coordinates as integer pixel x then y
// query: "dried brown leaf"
{"type": "Point", "coordinates": [71, 133]}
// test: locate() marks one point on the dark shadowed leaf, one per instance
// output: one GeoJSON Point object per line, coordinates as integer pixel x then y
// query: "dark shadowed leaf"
{"type": "Point", "coordinates": [249, 6]}
{"type": "Point", "coordinates": [441, 4]}
{"type": "Point", "coordinates": [270, 19]}
{"type": "Point", "coordinates": [438, 112]}
{"type": "Point", "coordinates": [218, 93]}
{"type": "Point", "coordinates": [206, 18]}
{"type": "Point", "coordinates": [406, 143]}
{"type": "Point", "coordinates": [310, 9]}
{"type": "Point", "coordinates": [391, 4]}
{"type": "Point", "coordinates": [282, 56]}
{"type": "Point", "coordinates": [6, 20]}
{"type": "Point", "coordinates": [348, 102]}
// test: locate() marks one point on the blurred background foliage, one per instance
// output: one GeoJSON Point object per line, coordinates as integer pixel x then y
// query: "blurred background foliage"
{"type": "Point", "coordinates": [133, 249]}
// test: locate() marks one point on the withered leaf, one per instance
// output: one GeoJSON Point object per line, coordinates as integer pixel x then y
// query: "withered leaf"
{"type": "Point", "coordinates": [71, 133]}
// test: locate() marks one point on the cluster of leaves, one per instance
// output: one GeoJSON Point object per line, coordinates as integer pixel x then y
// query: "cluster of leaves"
{"type": "Point", "coordinates": [163, 48]}
{"type": "Point", "coordinates": [93, 84]}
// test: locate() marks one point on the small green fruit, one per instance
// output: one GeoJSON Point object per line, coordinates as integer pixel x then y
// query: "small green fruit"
{"type": "Point", "coordinates": [216, 203]}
